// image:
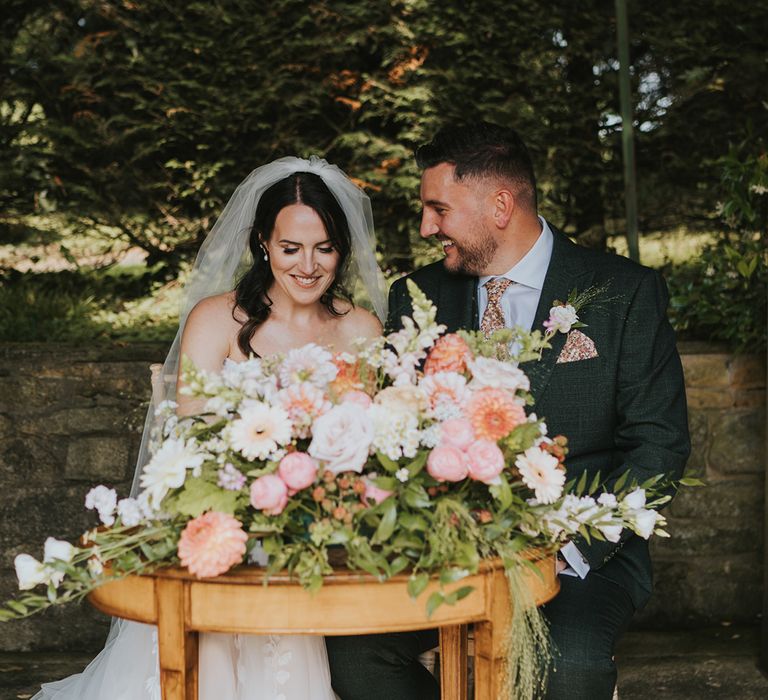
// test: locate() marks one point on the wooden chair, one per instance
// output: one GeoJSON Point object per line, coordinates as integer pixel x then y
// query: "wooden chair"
{"type": "Point", "coordinates": [238, 602]}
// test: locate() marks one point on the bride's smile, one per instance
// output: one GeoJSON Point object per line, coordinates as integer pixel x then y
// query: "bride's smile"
{"type": "Point", "coordinates": [302, 257]}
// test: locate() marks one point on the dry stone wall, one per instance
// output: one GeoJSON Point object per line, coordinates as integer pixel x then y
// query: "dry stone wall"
{"type": "Point", "coordinates": [71, 416]}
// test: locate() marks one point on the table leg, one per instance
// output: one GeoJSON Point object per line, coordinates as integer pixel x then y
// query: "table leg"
{"type": "Point", "coordinates": [491, 642]}
{"type": "Point", "coordinates": [453, 662]}
{"type": "Point", "coordinates": [177, 646]}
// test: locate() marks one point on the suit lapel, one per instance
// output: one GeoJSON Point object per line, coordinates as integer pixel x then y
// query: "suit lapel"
{"type": "Point", "coordinates": [566, 272]}
{"type": "Point", "coordinates": [457, 302]}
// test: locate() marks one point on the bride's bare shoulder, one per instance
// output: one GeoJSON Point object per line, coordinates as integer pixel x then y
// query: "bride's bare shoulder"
{"type": "Point", "coordinates": [214, 313]}
{"type": "Point", "coordinates": [359, 323]}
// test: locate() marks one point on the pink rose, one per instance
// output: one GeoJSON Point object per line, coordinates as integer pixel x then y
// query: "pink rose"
{"type": "Point", "coordinates": [357, 397]}
{"type": "Point", "coordinates": [457, 432]}
{"type": "Point", "coordinates": [269, 493]}
{"type": "Point", "coordinates": [485, 461]}
{"type": "Point", "coordinates": [374, 492]}
{"type": "Point", "coordinates": [447, 464]}
{"type": "Point", "coordinates": [298, 470]}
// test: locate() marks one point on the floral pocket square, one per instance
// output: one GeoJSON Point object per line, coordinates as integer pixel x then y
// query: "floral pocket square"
{"type": "Point", "coordinates": [577, 347]}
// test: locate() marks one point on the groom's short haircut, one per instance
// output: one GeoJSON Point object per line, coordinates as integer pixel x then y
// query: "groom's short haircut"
{"type": "Point", "coordinates": [483, 150]}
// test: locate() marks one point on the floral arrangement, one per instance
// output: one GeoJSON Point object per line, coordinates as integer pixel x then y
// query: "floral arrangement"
{"type": "Point", "coordinates": [414, 454]}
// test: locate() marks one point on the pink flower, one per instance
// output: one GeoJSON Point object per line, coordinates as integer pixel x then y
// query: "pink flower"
{"type": "Point", "coordinates": [211, 544]}
{"type": "Point", "coordinates": [357, 397]}
{"type": "Point", "coordinates": [447, 464]}
{"type": "Point", "coordinates": [449, 354]}
{"type": "Point", "coordinates": [456, 432]}
{"type": "Point", "coordinates": [298, 470]}
{"type": "Point", "coordinates": [270, 494]}
{"type": "Point", "coordinates": [485, 461]}
{"type": "Point", "coordinates": [374, 493]}
{"type": "Point", "coordinates": [494, 413]}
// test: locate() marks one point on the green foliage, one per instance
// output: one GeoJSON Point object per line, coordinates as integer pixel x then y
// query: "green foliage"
{"type": "Point", "coordinates": [85, 304]}
{"type": "Point", "coordinates": [723, 294]}
{"type": "Point", "coordinates": [144, 116]}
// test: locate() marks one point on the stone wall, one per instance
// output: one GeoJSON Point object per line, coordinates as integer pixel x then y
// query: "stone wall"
{"type": "Point", "coordinates": [71, 417]}
{"type": "Point", "coordinates": [711, 569]}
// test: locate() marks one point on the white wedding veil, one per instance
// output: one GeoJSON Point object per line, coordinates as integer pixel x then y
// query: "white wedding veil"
{"type": "Point", "coordinates": [225, 255]}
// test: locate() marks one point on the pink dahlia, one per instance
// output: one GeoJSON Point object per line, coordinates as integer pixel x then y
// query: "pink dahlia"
{"type": "Point", "coordinates": [494, 413]}
{"type": "Point", "coordinates": [211, 544]}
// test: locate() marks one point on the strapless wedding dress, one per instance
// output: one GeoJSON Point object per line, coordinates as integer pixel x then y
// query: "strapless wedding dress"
{"type": "Point", "coordinates": [232, 667]}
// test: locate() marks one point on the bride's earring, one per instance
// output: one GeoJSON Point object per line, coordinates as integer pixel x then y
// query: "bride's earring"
{"type": "Point", "coordinates": [266, 255]}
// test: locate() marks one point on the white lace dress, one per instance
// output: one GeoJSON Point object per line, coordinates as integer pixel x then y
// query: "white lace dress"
{"type": "Point", "coordinates": [232, 667]}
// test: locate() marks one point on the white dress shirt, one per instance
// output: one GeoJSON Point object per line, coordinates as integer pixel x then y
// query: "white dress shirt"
{"type": "Point", "coordinates": [518, 303]}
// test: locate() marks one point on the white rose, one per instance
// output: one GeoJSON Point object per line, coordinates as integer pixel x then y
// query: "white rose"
{"type": "Point", "coordinates": [644, 522]}
{"type": "Point", "coordinates": [612, 533]}
{"type": "Point", "coordinates": [561, 318]}
{"type": "Point", "coordinates": [342, 438]}
{"type": "Point", "coordinates": [487, 371]}
{"type": "Point", "coordinates": [30, 572]}
{"type": "Point", "coordinates": [634, 500]}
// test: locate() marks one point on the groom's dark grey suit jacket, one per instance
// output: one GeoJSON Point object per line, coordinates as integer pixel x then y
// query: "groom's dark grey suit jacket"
{"type": "Point", "coordinates": [624, 409]}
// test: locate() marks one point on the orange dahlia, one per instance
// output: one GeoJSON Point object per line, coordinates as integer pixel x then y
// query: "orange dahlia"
{"type": "Point", "coordinates": [494, 413]}
{"type": "Point", "coordinates": [449, 354]}
{"type": "Point", "coordinates": [211, 544]}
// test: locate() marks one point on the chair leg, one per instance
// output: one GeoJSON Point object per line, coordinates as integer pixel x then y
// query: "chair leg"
{"type": "Point", "coordinates": [453, 662]}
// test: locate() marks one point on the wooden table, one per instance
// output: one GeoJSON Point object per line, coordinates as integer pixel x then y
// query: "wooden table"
{"type": "Point", "coordinates": [182, 606]}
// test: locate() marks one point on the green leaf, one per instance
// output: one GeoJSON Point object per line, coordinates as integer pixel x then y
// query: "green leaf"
{"type": "Point", "coordinates": [460, 593]}
{"type": "Point", "coordinates": [434, 602]}
{"type": "Point", "coordinates": [691, 481]}
{"type": "Point", "coordinates": [416, 584]}
{"type": "Point", "coordinates": [388, 464]}
{"type": "Point", "coordinates": [413, 522]}
{"type": "Point", "coordinates": [388, 520]}
{"type": "Point", "coordinates": [198, 496]}
{"type": "Point", "coordinates": [452, 575]}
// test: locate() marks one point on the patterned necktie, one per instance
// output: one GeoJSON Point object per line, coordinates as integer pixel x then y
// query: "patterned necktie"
{"type": "Point", "coordinates": [493, 316]}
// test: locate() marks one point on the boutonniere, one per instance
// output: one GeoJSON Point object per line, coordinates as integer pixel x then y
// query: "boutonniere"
{"type": "Point", "coordinates": [564, 315]}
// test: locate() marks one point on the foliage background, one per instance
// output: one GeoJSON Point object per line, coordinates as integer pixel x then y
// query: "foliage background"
{"type": "Point", "coordinates": [126, 124]}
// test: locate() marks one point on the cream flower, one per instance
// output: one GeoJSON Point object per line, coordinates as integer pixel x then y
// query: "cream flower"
{"type": "Point", "coordinates": [561, 318]}
{"type": "Point", "coordinates": [168, 468]}
{"type": "Point", "coordinates": [30, 572]}
{"type": "Point", "coordinates": [309, 363]}
{"type": "Point", "coordinates": [446, 392]}
{"type": "Point", "coordinates": [487, 371]}
{"type": "Point", "coordinates": [540, 473]}
{"type": "Point", "coordinates": [303, 402]}
{"type": "Point", "coordinates": [342, 437]}
{"type": "Point", "coordinates": [259, 431]}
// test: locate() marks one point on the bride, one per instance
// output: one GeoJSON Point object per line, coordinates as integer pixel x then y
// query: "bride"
{"type": "Point", "coordinates": [302, 232]}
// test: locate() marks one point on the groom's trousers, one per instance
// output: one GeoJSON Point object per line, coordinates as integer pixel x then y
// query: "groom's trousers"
{"type": "Point", "coordinates": [586, 620]}
{"type": "Point", "coordinates": [382, 666]}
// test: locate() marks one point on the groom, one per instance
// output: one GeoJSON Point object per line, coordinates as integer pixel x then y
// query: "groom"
{"type": "Point", "coordinates": [614, 388]}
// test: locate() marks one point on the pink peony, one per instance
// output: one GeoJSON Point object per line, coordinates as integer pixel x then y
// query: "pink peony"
{"type": "Point", "coordinates": [298, 470]}
{"type": "Point", "coordinates": [357, 397]}
{"type": "Point", "coordinates": [270, 494]}
{"type": "Point", "coordinates": [211, 544]}
{"type": "Point", "coordinates": [456, 432]}
{"type": "Point", "coordinates": [447, 464]}
{"type": "Point", "coordinates": [374, 493]}
{"type": "Point", "coordinates": [485, 461]}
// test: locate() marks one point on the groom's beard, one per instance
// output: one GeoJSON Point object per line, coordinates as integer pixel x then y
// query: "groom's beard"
{"type": "Point", "coordinates": [473, 256]}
